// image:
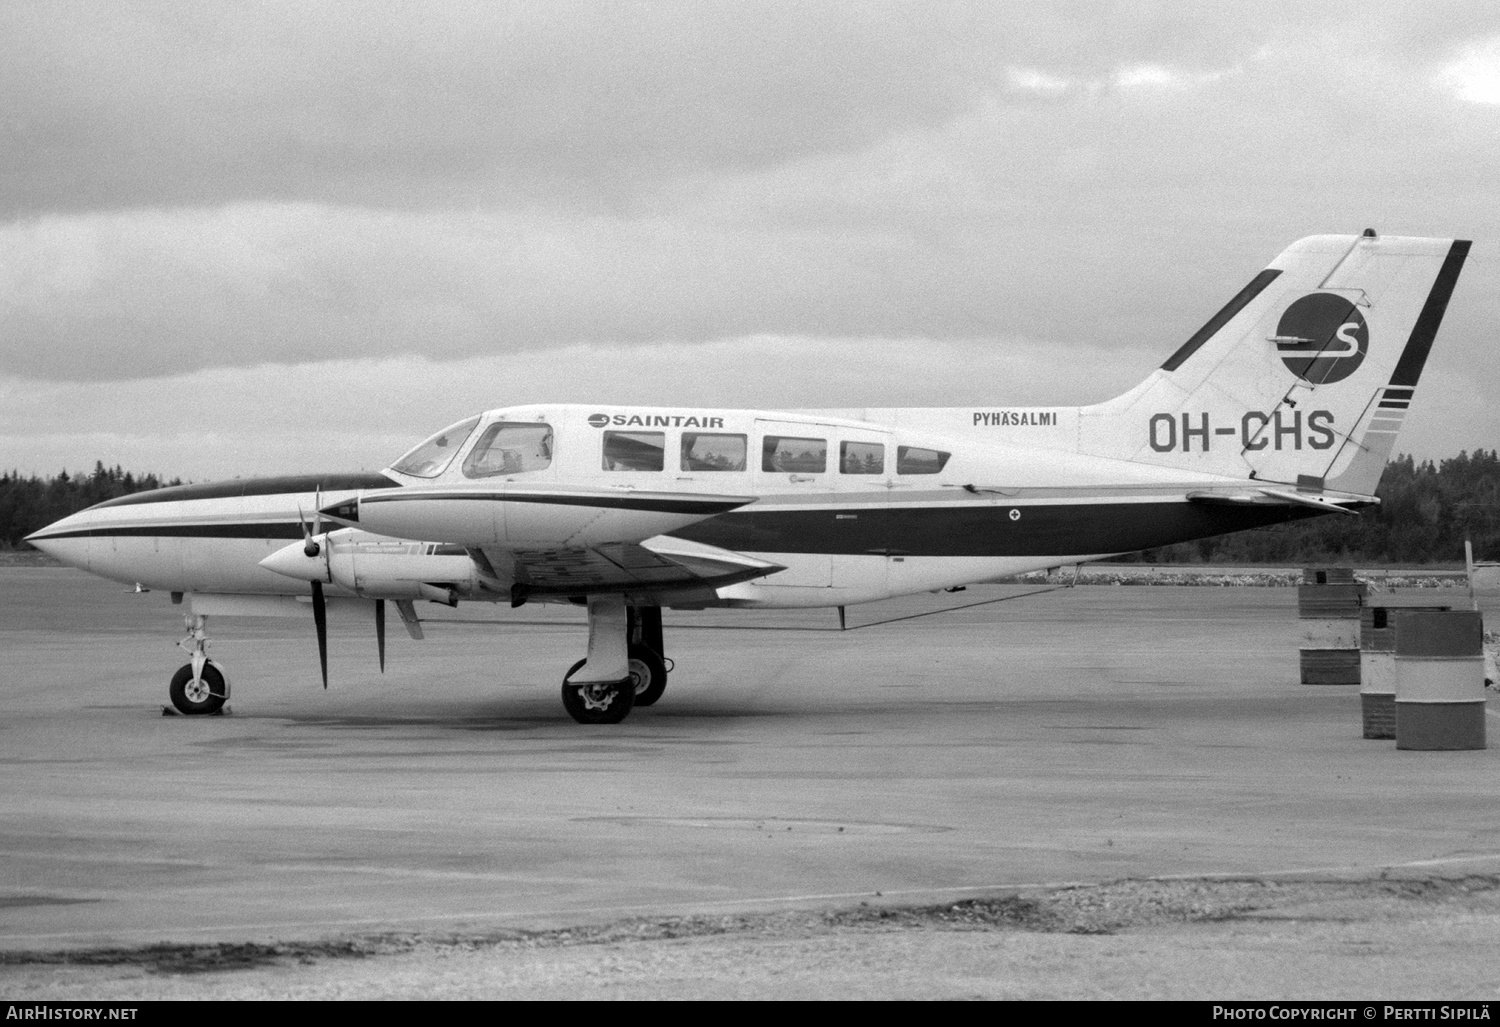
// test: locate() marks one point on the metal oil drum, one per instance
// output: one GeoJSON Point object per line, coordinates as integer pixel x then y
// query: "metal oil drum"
{"type": "Point", "coordinates": [1328, 605]}
{"type": "Point", "coordinates": [1440, 680]}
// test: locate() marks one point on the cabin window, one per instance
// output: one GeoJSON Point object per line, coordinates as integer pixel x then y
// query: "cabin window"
{"type": "Point", "coordinates": [911, 460]}
{"type": "Point", "coordinates": [510, 448]}
{"type": "Point", "coordinates": [634, 450]}
{"type": "Point", "coordinates": [703, 451]}
{"type": "Point", "coordinates": [785, 455]}
{"type": "Point", "coordinates": [861, 458]}
{"type": "Point", "coordinates": [432, 457]}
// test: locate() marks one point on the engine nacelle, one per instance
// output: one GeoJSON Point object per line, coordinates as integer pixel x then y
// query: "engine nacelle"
{"type": "Point", "coordinates": [402, 570]}
{"type": "Point", "coordinates": [380, 568]}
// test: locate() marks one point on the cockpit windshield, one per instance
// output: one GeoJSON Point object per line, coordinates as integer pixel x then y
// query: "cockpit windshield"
{"type": "Point", "coordinates": [432, 457]}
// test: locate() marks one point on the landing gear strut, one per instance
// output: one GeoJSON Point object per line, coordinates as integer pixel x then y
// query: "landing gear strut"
{"type": "Point", "coordinates": [199, 686]}
{"type": "Point", "coordinates": [622, 669]}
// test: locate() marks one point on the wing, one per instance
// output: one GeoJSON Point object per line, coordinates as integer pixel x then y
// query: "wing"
{"type": "Point", "coordinates": [527, 516]}
{"type": "Point", "coordinates": [659, 571]}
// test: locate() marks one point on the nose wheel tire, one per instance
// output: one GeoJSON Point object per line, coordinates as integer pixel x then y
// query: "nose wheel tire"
{"type": "Point", "coordinates": [206, 695]}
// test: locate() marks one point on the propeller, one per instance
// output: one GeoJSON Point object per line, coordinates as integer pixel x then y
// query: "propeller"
{"type": "Point", "coordinates": [311, 548]}
{"type": "Point", "coordinates": [320, 621]}
{"type": "Point", "coordinates": [380, 631]}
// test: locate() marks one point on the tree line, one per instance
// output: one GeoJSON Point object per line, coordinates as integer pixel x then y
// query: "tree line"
{"type": "Point", "coordinates": [1427, 510]}
{"type": "Point", "coordinates": [28, 504]}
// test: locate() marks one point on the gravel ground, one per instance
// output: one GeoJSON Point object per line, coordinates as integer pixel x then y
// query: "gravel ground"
{"type": "Point", "coordinates": [1412, 938]}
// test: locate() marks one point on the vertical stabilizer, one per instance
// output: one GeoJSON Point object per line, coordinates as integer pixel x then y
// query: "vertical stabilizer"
{"type": "Point", "coordinates": [1303, 378]}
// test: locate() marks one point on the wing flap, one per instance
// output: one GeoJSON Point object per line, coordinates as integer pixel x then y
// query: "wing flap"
{"type": "Point", "coordinates": [658, 568]}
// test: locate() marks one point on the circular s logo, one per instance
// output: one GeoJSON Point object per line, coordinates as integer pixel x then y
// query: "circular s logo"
{"type": "Point", "coordinates": [1322, 338]}
{"type": "Point", "coordinates": [598, 420]}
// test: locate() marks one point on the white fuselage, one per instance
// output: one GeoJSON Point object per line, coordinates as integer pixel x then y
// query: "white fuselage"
{"type": "Point", "coordinates": [853, 509]}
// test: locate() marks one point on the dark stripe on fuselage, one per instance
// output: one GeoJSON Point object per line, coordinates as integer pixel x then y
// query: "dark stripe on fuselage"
{"type": "Point", "coordinates": [248, 529]}
{"type": "Point", "coordinates": [704, 506]}
{"type": "Point", "coordinates": [244, 487]}
{"type": "Point", "coordinates": [1414, 356]}
{"type": "Point", "coordinates": [1052, 530]}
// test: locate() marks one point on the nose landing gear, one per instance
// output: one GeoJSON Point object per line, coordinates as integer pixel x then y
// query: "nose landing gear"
{"type": "Point", "coordinates": [199, 687]}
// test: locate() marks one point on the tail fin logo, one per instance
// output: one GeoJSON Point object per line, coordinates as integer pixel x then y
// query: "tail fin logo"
{"type": "Point", "coordinates": [1322, 338]}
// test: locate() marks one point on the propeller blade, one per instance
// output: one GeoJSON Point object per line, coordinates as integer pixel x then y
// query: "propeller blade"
{"type": "Point", "coordinates": [320, 621]}
{"type": "Point", "coordinates": [380, 631]}
{"type": "Point", "coordinates": [309, 547]}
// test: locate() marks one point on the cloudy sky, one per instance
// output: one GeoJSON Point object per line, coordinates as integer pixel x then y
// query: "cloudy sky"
{"type": "Point", "coordinates": [251, 237]}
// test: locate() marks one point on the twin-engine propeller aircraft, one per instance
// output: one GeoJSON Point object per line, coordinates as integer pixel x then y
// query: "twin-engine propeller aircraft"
{"type": "Point", "coordinates": [1286, 404]}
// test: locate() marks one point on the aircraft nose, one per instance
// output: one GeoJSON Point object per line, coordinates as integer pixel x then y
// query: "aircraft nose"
{"type": "Point", "coordinates": [65, 540]}
{"type": "Point", "coordinates": [293, 562]}
{"type": "Point", "coordinates": [71, 551]}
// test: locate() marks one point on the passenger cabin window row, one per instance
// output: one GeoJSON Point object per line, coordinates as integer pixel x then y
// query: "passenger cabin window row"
{"type": "Point", "coordinates": [779, 454]}
{"type": "Point", "coordinates": [507, 447]}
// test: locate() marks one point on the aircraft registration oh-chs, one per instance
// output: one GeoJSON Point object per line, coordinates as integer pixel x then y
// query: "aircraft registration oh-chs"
{"type": "Point", "coordinates": [1286, 404]}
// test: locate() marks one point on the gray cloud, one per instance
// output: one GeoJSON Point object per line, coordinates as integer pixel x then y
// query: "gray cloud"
{"type": "Point", "coordinates": [142, 294]}
{"type": "Point", "coordinates": [366, 412]}
{"type": "Point", "coordinates": [420, 104]}
{"type": "Point", "coordinates": [190, 186]}
{"type": "Point", "coordinates": [416, 103]}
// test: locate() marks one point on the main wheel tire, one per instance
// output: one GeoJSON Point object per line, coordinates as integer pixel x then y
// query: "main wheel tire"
{"type": "Point", "coordinates": [649, 671]}
{"type": "Point", "coordinates": [600, 703]}
{"type": "Point", "coordinates": [206, 695]}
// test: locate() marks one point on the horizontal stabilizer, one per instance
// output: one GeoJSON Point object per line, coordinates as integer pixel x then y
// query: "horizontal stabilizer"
{"type": "Point", "coordinates": [1340, 503]}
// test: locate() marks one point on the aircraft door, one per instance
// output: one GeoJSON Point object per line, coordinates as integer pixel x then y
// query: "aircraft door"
{"type": "Point", "coordinates": [793, 457]}
{"type": "Point", "coordinates": [860, 528]}
{"type": "Point", "coordinates": [795, 475]}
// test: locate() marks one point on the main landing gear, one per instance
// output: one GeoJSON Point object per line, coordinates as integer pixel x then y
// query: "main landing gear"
{"type": "Point", "coordinates": [624, 667]}
{"type": "Point", "coordinates": [199, 686]}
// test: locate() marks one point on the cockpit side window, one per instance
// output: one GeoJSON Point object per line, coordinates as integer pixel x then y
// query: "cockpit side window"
{"type": "Point", "coordinates": [432, 457]}
{"type": "Point", "coordinates": [510, 448]}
